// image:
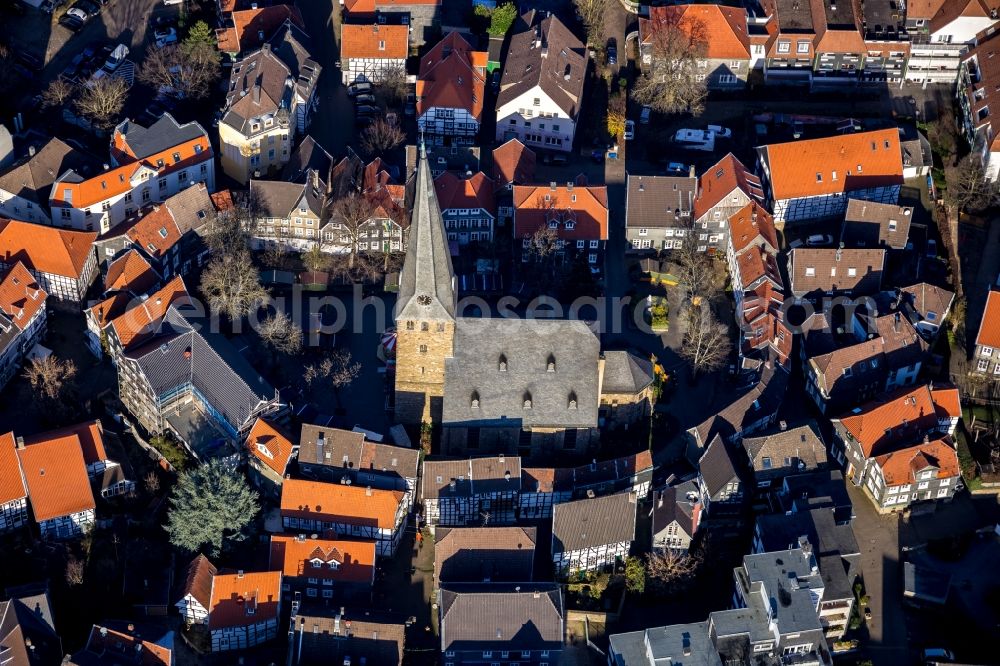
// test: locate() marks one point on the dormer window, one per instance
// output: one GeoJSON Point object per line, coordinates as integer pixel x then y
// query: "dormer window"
{"type": "Point", "coordinates": [316, 562]}
{"type": "Point", "coordinates": [550, 365]}
{"type": "Point", "coordinates": [527, 400]}
{"type": "Point", "coordinates": [334, 564]}
{"type": "Point", "coordinates": [502, 365]}
{"type": "Point", "coordinates": [474, 401]}
{"type": "Point", "coordinates": [177, 157]}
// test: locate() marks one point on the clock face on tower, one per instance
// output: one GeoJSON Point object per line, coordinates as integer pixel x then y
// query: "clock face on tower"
{"type": "Point", "coordinates": [424, 299]}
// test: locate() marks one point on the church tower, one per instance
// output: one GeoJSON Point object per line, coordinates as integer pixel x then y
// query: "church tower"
{"type": "Point", "coordinates": [425, 309]}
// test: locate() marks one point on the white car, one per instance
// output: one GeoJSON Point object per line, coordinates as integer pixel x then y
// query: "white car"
{"type": "Point", "coordinates": [113, 62]}
{"type": "Point", "coordinates": [173, 2]}
{"type": "Point", "coordinates": [819, 239]}
{"type": "Point", "coordinates": [629, 130]}
{"type": "Point", "coordinates": [722, 132]}
{"type": "Point", "coordinates": [165, 37]}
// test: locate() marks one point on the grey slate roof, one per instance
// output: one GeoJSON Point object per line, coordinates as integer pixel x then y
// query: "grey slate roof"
{"type": "Point", "coordinates": [814, 490]}
{"type": "Point", "coordinates": [309, 155]}
{"type": "Point", "coordinates": [801, 446]}
{"type": "Point", "coordinates": [292, 45]}
{"type": "Point", "coordinates": [660, 201]}
{"type": "Point", "coordinates": [162, 135]}
{"type": "Point", "coordinates": [191, 208]}
{"type": "Point", "coordinates": [593, 522]}
{"type": "Point", "coordinates": [484, 554]}
{"type": "Point", "coordinates": [761, 397]}
{"type": "Point", "coordinates": [624, 372]}
{"type": "Point", "coordinates": [786, 578]}
{"type": "Point", "coordinates": [18, 623]}
{"type": "Point", "coordinates": [560, 74]}
{"type": "Point", "coordinates": [497, 617]}
{"type": "Point", "coordinates": [924, 298]}
{"type": "Point", "coordinates": [213, 367]}
{"type": "Point", "coordinates": [427, 283]}
{"type": "Point", "coordinates": [281, 199]}
{"type": "Point", "coordinates": [716, 466]}
{"type": "Point", "coordinates": [526, 346]}
{"type": "Point", "coordinates": [256, 87]}
{"type": "Point", "coordinates": [870, 224]}
{"type": "Point", "coordinates": [327, 639]}
{"type": "Point", "coordinates": [31, 178]}
{"type": "Point", "coordinates": [344, 448]}
{"type": "Point", "coordinates": [676, 644]}
{"type": "Point", "coordinates": [471, 477]}
{"type": "Point", "coordinates": [675, 503]}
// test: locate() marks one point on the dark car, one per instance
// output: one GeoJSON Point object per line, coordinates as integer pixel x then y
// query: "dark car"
{"type": "Point", "coordinates": [30, 62]}
{"type": "Point", "coordinates": [365, 98]}
{"type": "Point", "coordinates": [365, 110]}
{"type": "Point", "coordinates": [612, 51]}
{"type": "Point", "coordinates": [410, 108]}
{"type": "Point", "coordinates": [356, 89]}
{"type": "Point", "coordinates": [555, 159]}
{"type": "Point", "coordinates": [90, 8]}
{"type": "Point", "coordinates": [72, 21]}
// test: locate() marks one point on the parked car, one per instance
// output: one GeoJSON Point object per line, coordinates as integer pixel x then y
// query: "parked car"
{"type": "Point", "coordinates": [938, 653]}
{"type": "Point", "coordinates": [165, 37]}
{"type": "Point", "coordinates": [72, 22]}
{"type": "Point", "coordinates": [113, 62]}
{"type": "Point", "coordinates": [555, 159]}
{"type": "Point", "coordinates": [677, 168]}
{"type": "Point", "coordinates": [365, 98]}
{"type": "Point", "coordinates": [819, 239]}
{"type": "Point", "coordinates": [931, 248]}
{"type": "Point", "coordinates": [612, 51]}
{"type": "Point", "coordinates": [28, 61]}
{"type": "Point", "coordinates": [49, 6]}
{"type": "Point", "coordinates": [410, 108]}
{"type": "Point", "coordinates": [644, 116]}
{"type": "Point", "coordinates": [692, 139]}
{"type": "Point", "coordinates": [356, 89]}
{"type": "Point", "coordinates": [366, 110]}
{"type": "Point", "coordinates": [722, 132]}
{"type": "Point", "coordinates": [629, 130]}
{"type": "Point", "coordinates": [795, 244]}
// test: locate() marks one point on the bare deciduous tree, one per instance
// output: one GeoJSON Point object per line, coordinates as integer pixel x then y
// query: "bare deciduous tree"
{"type": "Point", "coordinates": [706, 341]}
{"type": "Point", "coordinates": [152, 483]}
{"type": "Point", "coordinates": [281, 334]}
{"type": "Point", "coordinates": [381, 136]}
{"type": "Point", "coordinates": [232, 229]}
{"type": "Point", "coordinates": [592, 13]}
{"type": "Point", "coordinates": [339, 369]}
{"type": "Point", "coordinates": [394, 85]}
{"type": "Point", "coordinates": [189, 69]}
{"type": "Point", "coordinates": [669, 571]}
{"type": "Point", "coordinates": [352, 214]}
{"type": "Point", "coordinates": [57, 93]}
{"type": "Point", "coordinates": [232, 285]}
{"type": "Point", "coordinates": [670, 82]}
{"type": "Point", "coordinates": [50, 377]}
{"type": "Point", "coordinates": [694, 269]}
{"type": "Point", "coordinates": [969, 189]}
{"type": "Point", "coordinates": [102, 100]}
{"type": "Point", "coordinates": [74, 571]}
{"type": "Point", "coordinates": [314, 259]}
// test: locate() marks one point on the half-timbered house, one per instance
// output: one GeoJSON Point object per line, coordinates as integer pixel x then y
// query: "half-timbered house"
{"type": "Point", "coordinates": [593, 533]}
{"type": "Point", "coordinates": [479, 491]}
{"type": "Point", "coordinates": [196, 593]}
{"type": "Point", "coordinates": [337, 510]}
{"type": "Point", "coordinates": [323, 568]}
{"type": "Point", "coordinates": [244, 609]}
{"type": "Point", "coordinates": [13, 493]}
{"type": "Point", "coordinates": [55, 473]}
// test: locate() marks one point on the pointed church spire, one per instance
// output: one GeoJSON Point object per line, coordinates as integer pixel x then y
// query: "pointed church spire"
{"type": "Point", "coordinates": [427, 283]}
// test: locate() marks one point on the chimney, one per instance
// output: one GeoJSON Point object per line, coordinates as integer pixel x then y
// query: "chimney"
{"type": "Point", "coordinates": [691, 172]}
{"type": "Point", "coordinates": [783, 425]}
{"type": "Point", "coordinates": [256, 93]}
{"type": "Point", "coordinates": [368, 491]}
{"type": "Point", "coordinates": [239, 573]}
{"type": "Point", "coordinates": [20, 442]}
{"type": "Point", "coordinates": [895, 322]}
{"type": "Point", "coordinates": [320, 441]}
{"type": "Point", "coordinates": [31, 151]}
{"type": "Point", "coordinates": [659, 500]}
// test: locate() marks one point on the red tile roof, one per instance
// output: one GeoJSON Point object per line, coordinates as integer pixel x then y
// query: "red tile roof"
{"type": "Point", "coordinates": [11, 484]}
{"type": "Point", "coordinates": [475, 191]}
{"type": "Point", "coordinates": [130, 271]}
{"type": "Point", "coordinates": [752, 225]}
{"type": "Point", "coordinates": [141, 320]}
{"type": "Point", "coordinates": [843, 163]}
{"type": "Point", "coordinates": [723, 29]}
{"type": "Point", "coordinates": [534, 204]}
{"type": "Point", "coordinates": [242, 599]}
{"type": "Point", "coordinates": [452, 76]}
{"type": "Point", "coordinates": [45, 249]}
{"type": "Point", "coordinates": [383, 42]}
{"type": "Point", "coordinates": [155, 232]}
{"type": "Point", "coordinates": [901, 467]}
{"type": "Point", "coordinates": [333, 502]}
{"type": "Point", "coordinates": [89, 434]}
{"type": "Point", "coordinates": [297, 556]}
{"type": "Point", "coordinates": [722, 179]}
{"type": "Point", "coordinates": [252, 27]}
{"type": "Point", "coordinates": [91, 191]}
{"type": "Point", "coordinates": [906, 413]}
{"type": "Point", "coordinates": [20, 296]}
{"type": "Point", "coordinates": [269, 445]}
{"type": "Point", "coordinates": [989, 327]}
{"type": "Point", "coordinates": [513, 162]}
{"type": "Point", "coordinates": [126, 647]}
{"type": "Point", "coordinates": [57, 480]}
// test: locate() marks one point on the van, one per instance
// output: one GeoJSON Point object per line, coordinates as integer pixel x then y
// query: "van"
{"type": "Point", "coordinates": [938, 653]}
